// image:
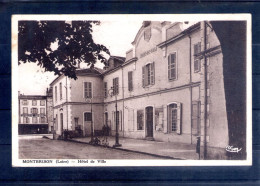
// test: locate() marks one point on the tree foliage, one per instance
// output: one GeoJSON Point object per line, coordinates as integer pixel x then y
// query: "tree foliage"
{"type": "Point", "coordinates": [73, 40]}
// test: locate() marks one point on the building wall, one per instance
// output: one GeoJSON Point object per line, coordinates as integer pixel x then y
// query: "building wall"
{"type": "Point", "coordinates": [188, 87]}
{"type": "Point", "coordinates": [30, 106]}
{"type": "Point", "coordinates": [77, 89]}
{"type": "Point", "coordinates": [49, 108]}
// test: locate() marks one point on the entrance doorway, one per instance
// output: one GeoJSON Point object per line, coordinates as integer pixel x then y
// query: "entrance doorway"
{"type": "Point", "coordinates": [149, 122]}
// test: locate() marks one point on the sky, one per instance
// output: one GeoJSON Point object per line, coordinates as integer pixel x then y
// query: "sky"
{"type": "Point", "coordinates": [117, 36]}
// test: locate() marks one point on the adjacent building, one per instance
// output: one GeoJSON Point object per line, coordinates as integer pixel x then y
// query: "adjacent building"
{"type": "Point", "coordinates": [32, 114]}
{"type": "Point", "coordinates": [169, 87]}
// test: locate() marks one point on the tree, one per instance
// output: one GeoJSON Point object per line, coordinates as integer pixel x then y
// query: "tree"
{"type": "Point", "coordinates": [59, 46]}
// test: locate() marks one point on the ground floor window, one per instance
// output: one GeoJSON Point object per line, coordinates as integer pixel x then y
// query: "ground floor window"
{"type": "Point", "coordinates": [195, 117]}
{"type": "Point", "coordinates": [174, 118]}
{"type": "Point", "coordinates": [117, 116]}
{"type": "Point", "coordinates": [34, 120]}
{"type": "Point", "coordinates": [26, 120]}
{"type": "Point", "coordinates": [43, 120]}
{"type": "Point", "coordinates": [159, 119]}
{"type": "Point", "coordinates": [88, 116]}
{"type": "Point", "coordinates": [140, 119]}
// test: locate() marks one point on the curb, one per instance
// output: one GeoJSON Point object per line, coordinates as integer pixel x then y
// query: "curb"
{"type": "Point", "coordinates": [126, 150]}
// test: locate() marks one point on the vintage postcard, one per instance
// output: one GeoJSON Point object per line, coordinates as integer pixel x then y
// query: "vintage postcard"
{"type": "Point", "coordinates": [131, 90]}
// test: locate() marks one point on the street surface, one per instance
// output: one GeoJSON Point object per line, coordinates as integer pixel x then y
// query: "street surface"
{"type": "Point", "coordinates": [41, 148]}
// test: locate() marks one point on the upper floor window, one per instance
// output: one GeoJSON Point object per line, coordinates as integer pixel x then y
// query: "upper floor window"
{"type": "Point", "coordinates": [174, 118]}
{"type": "Point", "coordinates": [34, 102]}
{"type": "Point", "coordinates": [197, 60]}
{"type": "Point", "coordinates": [172, 66]}
{"type": "Point", "coordinates": [55, 93]}
{"type": "Point", "coordinates": [42, 103]}
{"type": "Point", "coordinates": [87, 90]}
{"type": "Point", "coordinates": [197, 63]}
{"type": "Point", "coordinates": [42, 110]}
{"type": "Point", "coordinates": [34, 110]}
{"type": "Point", "coordinates": [60, 91]}
{"type": "Point", "coordinates": [115, 86]}
{"type": "Point", "coordinates": [148, 74]}
{"type": "Point", "coordinates": [25, 110]}
{"type": "Point", "coordinates": [105, 89]}
{"type": "Point", "coordinates": [130, 80]}
{"type": "Point", "coordinates": [197, 48]}
{"type": "Point", "coordinates": [25, 102]}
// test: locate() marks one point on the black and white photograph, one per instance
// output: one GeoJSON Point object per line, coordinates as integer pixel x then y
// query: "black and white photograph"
{"type": "Point", "coordinates": [131, 90]}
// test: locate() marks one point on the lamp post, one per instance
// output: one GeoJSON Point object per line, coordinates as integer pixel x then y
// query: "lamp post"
{"type": "Point", "coordinates": [111, 93]}
{"type": "Point", "coordinates": [88, 99]}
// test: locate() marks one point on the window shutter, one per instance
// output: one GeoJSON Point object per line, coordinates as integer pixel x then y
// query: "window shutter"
{"type": "Point", "coordinates": [199, 47]}
{"type": "Point", "coordinates": [195, 49]}
{"type": "Point", "coordinates": [165, 121]}
{"type": "Point", "coordinates": [174, 63]}
{"type": "Point", "coordinates": [120, 120]}
{"type": "Point", "coordinates": [169, 67]}
{"type": "Point", "coordinates": [152, 73]}
{"type": "Point", "coordinates": [143, 76]}
{"type": "Point", "coordinates": [90, 89]}
{"type": "Point", "coordinates": [179, 112]}
{"type": "Point", "coordinates": [117, 85]}
{"type": "Point", "coordinates": [113, 120]}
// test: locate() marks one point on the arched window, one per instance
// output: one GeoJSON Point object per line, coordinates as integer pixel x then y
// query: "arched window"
{"type": "Point", "coordinates": [174, 118]}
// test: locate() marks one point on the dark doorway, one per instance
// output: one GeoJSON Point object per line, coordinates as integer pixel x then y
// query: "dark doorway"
{"type": "Point", "coordinates": [149, 121]}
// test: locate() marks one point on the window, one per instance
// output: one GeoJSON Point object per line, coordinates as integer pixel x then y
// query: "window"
{"type": "Point", "coordinates": [42, 103]}
{"type": "Point", "coordinates": [159, 119]}
{"type": "Point", "coordinates": [195, 117]}
{"type": "Point", "coordinates": [25, 102]}
{"type": "Point", "coordinates": [105, 89]}
{"type": "Point", "coordinates": [55, 93]}
{"type": "Point", "coordinates": [130, 80]}
{"type": "Point", "coordinates": [43, 120]}
{"type": "Point", "coordinates": [119, 120]}
{"type": "Point", "coordinates": [26, 120]}
{"type": "Point", "coordinates": [25, 110]}
{"type": "Point", "coordinates": [42, 110]}
{"type": "Point", "coordinates": [197, 48]}
{"type": "Point", "coordinates": [174, 118]}
{"type": "Point", "coordinates": [76, 120]}
{"type": "Point", "coordinates": [148, 74]}
{"type": "Point", "coordinates": [34, 120]}
{"type": "Point", "coordinates": [197, 63]}
{"type": "Point", "coordinates": [87, 116]}
{"type": "Point", "coordinates": [172, 66]}
{"type": "Point", "coordinates": [140, 119]}
{"type": "Point", "coordinates": [115, 86]}
{"type": "Point", "coordinates": [60, 91]}
{"type": "Point", "coordinates": [87, 90]}
{"type": "Point", "coordinates": [34, 102]}
{"type": "Point", "coordinates": [34, 110]}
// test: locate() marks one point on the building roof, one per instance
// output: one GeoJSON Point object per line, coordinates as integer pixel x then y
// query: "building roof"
{"type": "Point", "coordinates": [122, 59]}
{"type": "Point", "coordinates": [86, 71]}
{"type": "Point", "coordinates": [22, 96]}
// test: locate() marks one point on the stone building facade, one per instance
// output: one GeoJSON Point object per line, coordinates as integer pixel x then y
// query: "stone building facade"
{"type": "Point", "coordinates": [169, 87]}
{"type": "Point", "coordinates": [32, 114]}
